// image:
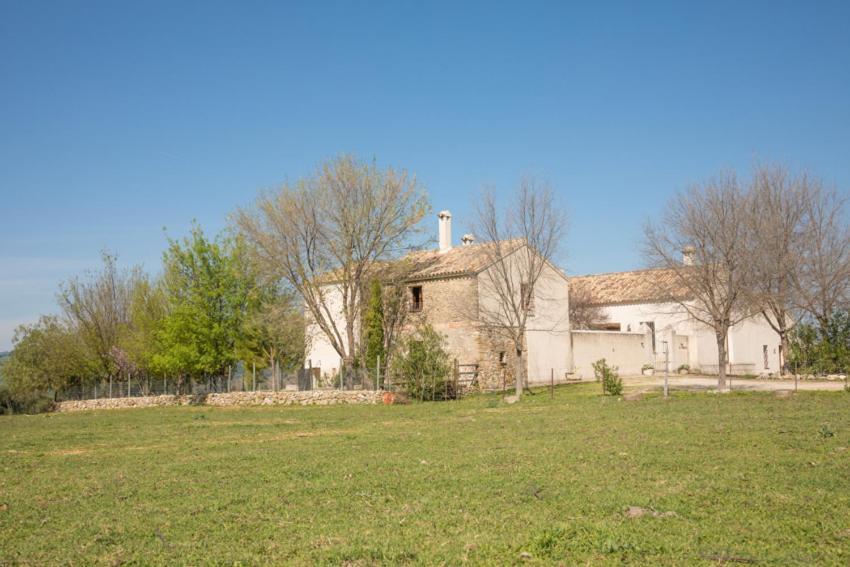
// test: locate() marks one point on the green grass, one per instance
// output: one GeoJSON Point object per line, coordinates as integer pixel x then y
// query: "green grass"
{"type": "Point", "coordinates": [750, 478]}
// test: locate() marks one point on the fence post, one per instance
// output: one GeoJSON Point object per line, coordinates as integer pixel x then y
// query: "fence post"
{"type": "Point", "coordinates": [378, 373]}
{"type": "Point", "coordinates": [128, 385]}
{"type": "Point", "coordinates": [341, 375]}
{"type": "Point", "coordinates": [456, 378]}
{"type": "Point", "coordinates": [552, 383]}
{"type": "Point", "coordinates": [229, 373]}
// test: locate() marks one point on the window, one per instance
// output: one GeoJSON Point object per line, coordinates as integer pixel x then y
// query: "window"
{"type": "Point", "coordinates": [766, 362]}
{"type": "Point", "coordinates": [527, 293]}
{"type": "Point", "coordinates": [503, 359]}
{"type": "Point", "coordinates": [416, 298]}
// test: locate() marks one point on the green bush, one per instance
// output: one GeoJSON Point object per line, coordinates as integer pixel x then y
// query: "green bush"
{"type": "Point", "coordinates": [24, 403]}
{"type": "Point", "coordinates": [611, 382]}
{"type": "Point", "coordinates": [423, 366]}
{"type": "Point", "coordinates": [821, 350]}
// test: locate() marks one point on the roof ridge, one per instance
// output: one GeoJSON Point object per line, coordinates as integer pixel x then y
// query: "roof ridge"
{"type": "Point", "coordinates": [639, 270]}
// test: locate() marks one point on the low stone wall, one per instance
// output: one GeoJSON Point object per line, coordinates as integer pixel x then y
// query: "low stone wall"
{"type": "Point", "coordinates": [286, 398]}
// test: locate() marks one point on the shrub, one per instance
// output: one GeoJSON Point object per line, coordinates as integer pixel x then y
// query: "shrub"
{"type": "Point", "coordinates": [423, 366]}
{"type": "Point", "coordinates": [24, 402]}
{"type": "Point", "coordinates": [611, 382]}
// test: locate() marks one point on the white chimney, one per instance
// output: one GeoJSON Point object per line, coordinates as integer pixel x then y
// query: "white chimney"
{"type": "Point", "coordinates": [445, 225]}
{"type": "Point", "coordinates": [467, 239]}
{"type": "Point", "coordinates": [688, 254]}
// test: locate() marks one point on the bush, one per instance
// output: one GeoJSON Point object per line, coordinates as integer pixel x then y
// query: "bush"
{"type": "Point", "coordinates": [611, 382]}
{"type": "Point", "coordinates": [423, 366]}
{"type": "Point", "coordinates": [24, 403]}
{"type": "Point", "coordinates": [816, 350]}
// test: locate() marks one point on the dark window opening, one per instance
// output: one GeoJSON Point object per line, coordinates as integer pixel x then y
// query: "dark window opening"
{"type": "Point", "coordinates": [416, 298]}
{"type": "Point", "coordinates": [503, 358]}
{"type": "Point", "coordinates": [651, 326]}
{"type": "Point", "coordinates": [605, 327]}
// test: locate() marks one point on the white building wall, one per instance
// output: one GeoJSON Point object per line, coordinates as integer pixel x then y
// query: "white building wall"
{"type": "Point", "coordinates": [320, 353]}
{"type": "Point", "coordinates": [627, 351]}
{"type": "Point", "coordinates": [547, 327]}
{"type": "Point", "coordinates": [746, 339]}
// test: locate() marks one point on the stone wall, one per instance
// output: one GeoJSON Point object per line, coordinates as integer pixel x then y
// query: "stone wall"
{"type": "Point", "coordinates": [286, 398]}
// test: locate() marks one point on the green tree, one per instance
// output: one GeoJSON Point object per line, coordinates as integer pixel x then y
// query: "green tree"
{"type": "Point", "coordinates": [273, 335]}
{"type": "Point", "coordinates": [823, 348]}
{"type": "Point", "coordinates": [48, 356]}
{"type": "Point", "coordinates": [207, 300]}
{"type": "Point", "coordinates": [140, 337]}
{"type": "Point", "coordinates": [374, 327]}
{"type": "Point", "coordinates": [98, 308]}
{"type": "Point", "coordinates": [423, 365]}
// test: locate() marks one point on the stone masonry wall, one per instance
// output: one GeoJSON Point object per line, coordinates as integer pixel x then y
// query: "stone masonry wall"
{"type": "Point", "coordinates": [287, 398]}
{"type": "Point", "coordinates": [449, 305]}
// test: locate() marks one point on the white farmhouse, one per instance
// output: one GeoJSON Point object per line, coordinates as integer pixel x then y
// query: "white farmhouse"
{"type": "Point", "coordinates": [448, 288]}
{"type": "Point", "coordinates": [636, 301]}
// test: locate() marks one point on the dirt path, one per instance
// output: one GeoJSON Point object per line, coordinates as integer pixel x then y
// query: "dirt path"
{"type": "Point", "coordinates": [710, 383]}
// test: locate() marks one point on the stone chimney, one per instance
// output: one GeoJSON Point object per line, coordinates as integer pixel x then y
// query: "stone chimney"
{"type": "Point", "coordinates": [467, 239]}
{"type": "Point", "coordinates": [688, 255]}
{"type": "Point", "coordinates": [445, 225]}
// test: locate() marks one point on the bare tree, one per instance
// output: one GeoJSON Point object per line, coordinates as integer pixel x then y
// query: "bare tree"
{"type": "Point", "coordinates": [778, 202]}
{"type": "Point", "coordinates": [707, 221]}
{"type": "Point", "coordinates": [99, 307]}
{"type": "Point", "coordinates": [519, 243]}
{"type": "Point", "coordinates": [324, 235]}
{"type": "Point", "coordinates": [823, 267]}
{"type": "Point", "coordinates": [585, 313]}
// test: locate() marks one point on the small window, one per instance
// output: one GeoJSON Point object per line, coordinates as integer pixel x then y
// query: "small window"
{"type": "Point", "coordinates": [527, 293]}
{"type": "Point", "coordinates": [766, 362]}
{"type": "Point", "coordinates": [416, 298]}
{"type": "Point", "coordinates": [503, 359]}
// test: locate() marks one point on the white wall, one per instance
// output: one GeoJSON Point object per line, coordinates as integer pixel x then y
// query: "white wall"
{"type": "Point", "coordinates": [547, 327]}
{"type": "Point", "coordinates": [746, 339]}
{"type": "Point", "coordinates": [627, 351]}
{"type": "Point", "coordinates": [320, 352]}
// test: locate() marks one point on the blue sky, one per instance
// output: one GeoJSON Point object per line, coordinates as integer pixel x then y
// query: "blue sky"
{"type": "Point", "coordinates": [118, 119]}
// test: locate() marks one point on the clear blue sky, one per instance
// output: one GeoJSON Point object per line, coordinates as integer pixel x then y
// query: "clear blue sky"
{"type": "Point", "coordinates": [120, 118]}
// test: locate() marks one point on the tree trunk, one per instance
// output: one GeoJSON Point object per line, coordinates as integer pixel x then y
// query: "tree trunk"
{"type": "Point", "coordinates": [783, 352]}
{"type": "Point", "coordinates": [721, 361]}
{"type": "Point", "coordinates": [519, 373]}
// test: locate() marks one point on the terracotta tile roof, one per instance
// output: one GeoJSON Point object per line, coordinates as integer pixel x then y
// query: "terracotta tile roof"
{"type": "Point", "coordinates": [639, 286]}
{"type": "Point", "coordinates": [460, 260]}
{"type": "Point", "coordinates": [432, 264]}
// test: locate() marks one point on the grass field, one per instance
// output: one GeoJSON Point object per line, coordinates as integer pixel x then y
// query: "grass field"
{"type": "Point", "coordinates": [744, 478]}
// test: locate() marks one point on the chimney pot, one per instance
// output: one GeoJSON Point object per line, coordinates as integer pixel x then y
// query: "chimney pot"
{"type": "Point", "coordinates": [688, 255]}
{"type": "Point", "coordinates": [467, 239]}
{"type": "Point", "coordinates": [445, 230]}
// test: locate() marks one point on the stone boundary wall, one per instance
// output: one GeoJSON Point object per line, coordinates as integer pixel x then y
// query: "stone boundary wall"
{"type": "Point", "coordinates": [285, 398]}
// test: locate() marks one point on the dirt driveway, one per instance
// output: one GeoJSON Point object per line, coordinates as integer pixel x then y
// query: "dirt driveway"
{"type": "Point", "coordinates": [690, 382]}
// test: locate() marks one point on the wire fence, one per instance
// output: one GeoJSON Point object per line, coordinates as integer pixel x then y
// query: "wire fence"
{"type": "Point", "coordinates": [463, 378]}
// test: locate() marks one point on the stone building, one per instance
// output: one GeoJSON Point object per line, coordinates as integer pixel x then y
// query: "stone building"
{"type": "Point", "coordinates": [447, 287]}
